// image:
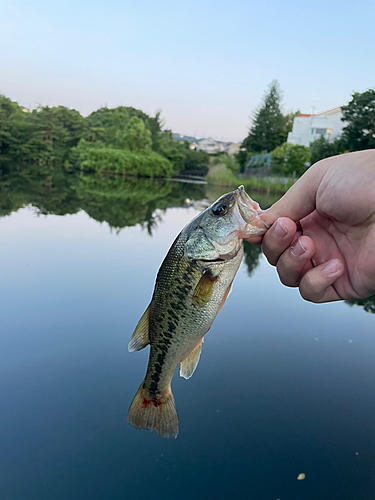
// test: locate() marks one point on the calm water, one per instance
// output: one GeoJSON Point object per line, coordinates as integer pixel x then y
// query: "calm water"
{"type": "Point", "coordinates": [282, 387]}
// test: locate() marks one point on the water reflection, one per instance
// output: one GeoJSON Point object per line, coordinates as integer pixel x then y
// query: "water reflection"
{"type": "Point", "coordinates": [367, 304]}
{"type": "Point", "coordinates": [252, 256]}
{"type": "Point", "coordinates": [120, 202]}
{"type": "Point", "coordinates": [282, 388]}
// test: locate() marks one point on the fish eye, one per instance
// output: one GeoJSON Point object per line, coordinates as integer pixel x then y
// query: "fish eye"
{"type": "Point", "coordinates": [220, 209]}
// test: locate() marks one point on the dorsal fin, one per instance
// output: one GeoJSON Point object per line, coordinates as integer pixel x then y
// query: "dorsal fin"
{"type": "Point", "coordinates": [189, 364]}
{"type": "Point", "coordinates": [140, 337]}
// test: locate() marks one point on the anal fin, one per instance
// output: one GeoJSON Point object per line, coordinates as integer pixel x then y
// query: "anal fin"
{"type": "Point", "coordinates": [140, 337]}
{"type": "Point", "coordinates": [189, 364]}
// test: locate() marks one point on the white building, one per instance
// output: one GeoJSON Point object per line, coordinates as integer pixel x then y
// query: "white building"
{"type": "Point", "coordinates": [309, 127]}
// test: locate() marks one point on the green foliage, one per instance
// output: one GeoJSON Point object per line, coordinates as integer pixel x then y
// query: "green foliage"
{"type": "Point", "coordinates": [173, 150]}
{"type": "Point", "coordinates": [196, 160]}
{"type": "Point", "coordinates": [359, 113]}
{"type": "Point", "coordinates": [136, 136]}
{"type": "Point", "coordinates": [180, 155]}
{"type": "Point", "coordinates": [19, 138]}
{"type": "Point", "coordinates": [268, 127]}
{"type": "Point", "coordinates": [109, 125]}
{"type": "Point", "coordinates": [59, 129]}
{"type": "Point", "coordinates": [221, 176]}
{"type": "Point", "coordinates": [122, 139]}
{"type": "Point", "coordinates": [367, 304]}
{"type": "Point", "coordinates": [109, 159]}
{"type": "Point", "coordinates": [290, 159]}
{"type": "Point", "coordinates": [288, 123]}
{"type": "Point", "coordinates": [252, 255]}
{"type": "Point", "coordinates": [119, 201]}
{"type": "Point", "coordinates": [229, 162]}
{"type": "Point", "coordinates": [323, 148]}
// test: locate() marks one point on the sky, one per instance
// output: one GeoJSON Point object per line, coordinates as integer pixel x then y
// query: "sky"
{"type": "Point", "coordinates": [206, 65]}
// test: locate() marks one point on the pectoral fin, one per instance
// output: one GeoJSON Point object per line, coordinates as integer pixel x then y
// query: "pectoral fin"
{"type": "Point", "coordinates": [203, 290]}
{"type": "Point", "coordinates": [140, 337]}
{"type": "Point", "coordinates": [189, 364]}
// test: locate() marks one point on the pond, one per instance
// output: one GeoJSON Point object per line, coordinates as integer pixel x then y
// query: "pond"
{"type": "Point", "coordinates": [283, 386]}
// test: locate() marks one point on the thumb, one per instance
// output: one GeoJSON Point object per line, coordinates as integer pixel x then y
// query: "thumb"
{"type": "Point", "coordinates": [300, 199]}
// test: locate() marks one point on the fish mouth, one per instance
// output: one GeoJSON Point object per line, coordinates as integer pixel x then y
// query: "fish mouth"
{"type": "Point", "coordinates": [247, 207]}
{"type": "Point", "coordinates": [219, 259]}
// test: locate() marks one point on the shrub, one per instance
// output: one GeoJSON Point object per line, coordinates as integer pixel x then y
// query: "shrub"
{"type": "Point", "coordinates": [323, 148]}
{"type": "Point", "coordinates": [229, 162]}
{"type": "Point", "coordinates": [290, 159]}
{"type": "Point", "coordinates": [120, 161]}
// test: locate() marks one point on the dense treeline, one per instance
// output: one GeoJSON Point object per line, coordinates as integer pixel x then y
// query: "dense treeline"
{"type": "Point", "coordinates": [124, 140]}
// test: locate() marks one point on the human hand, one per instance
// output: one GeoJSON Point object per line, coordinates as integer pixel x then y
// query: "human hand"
{"type": "Point", "coordinates": [322, 237]}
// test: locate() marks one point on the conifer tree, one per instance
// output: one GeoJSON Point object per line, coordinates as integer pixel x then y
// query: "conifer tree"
{"type": "Point", "coordinates": [268, 125]}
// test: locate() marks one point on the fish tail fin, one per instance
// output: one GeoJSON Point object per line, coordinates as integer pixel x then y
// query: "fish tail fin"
{"type": "Point", "coordinates": [157, 415]}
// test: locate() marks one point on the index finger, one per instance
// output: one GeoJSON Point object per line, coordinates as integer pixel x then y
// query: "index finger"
{"type": "Point", "coordinates": [300, 199]}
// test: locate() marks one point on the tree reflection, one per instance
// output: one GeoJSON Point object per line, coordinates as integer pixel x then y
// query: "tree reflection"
{"type": "Point", "coordinates": [367, 304]}
{"type": "Point", "coordinates": [252, 256]}
{"type": "Point", "coordinates": [119, 201]}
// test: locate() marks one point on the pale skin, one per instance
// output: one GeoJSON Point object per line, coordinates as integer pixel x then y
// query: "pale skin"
{"type": "Point", "coordinates": [322, 238]}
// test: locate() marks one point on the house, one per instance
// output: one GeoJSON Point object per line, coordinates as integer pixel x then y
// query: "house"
{"type": "Point", "coordinates": [208, 145]}
{"type": "Point", "coordinates": [211, 146]}
{"type": "Point", "coordinates": [183, 138]}
{"type": "Point", "coordinates": [309, 127]}
{"type": "Point", "coordinates": [233, 149]}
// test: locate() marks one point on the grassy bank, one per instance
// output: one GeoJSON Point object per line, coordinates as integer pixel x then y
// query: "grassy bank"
{"type": "Point", "coordinates": [221, 176]}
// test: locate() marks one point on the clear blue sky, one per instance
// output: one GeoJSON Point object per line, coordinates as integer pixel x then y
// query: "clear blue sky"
{"type": "Point", "coordinates": [205, 64]}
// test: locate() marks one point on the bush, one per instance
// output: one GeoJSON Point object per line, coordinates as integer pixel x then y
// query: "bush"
{"type": "Point", "coordinates": [290, 159]}
{"type": "Point", "coordinates": [323, 148]}
{"type": "Point", "coordinates": [221, 176]}
{"type": "Point", "coordinates": [196, 160]}
{"type": "Point", "coordinates": [229, 162]}
{"type": "Point", "coordinates": [120, 161]}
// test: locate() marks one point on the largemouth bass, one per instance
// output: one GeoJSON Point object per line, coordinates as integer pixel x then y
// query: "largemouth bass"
{"type": "Point", "coordinates": [191, 287]}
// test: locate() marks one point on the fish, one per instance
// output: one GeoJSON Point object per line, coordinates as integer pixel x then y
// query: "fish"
{"type": "Point", "coordinates": [192, 284]}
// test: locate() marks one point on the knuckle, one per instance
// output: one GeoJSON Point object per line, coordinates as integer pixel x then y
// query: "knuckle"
{"type": "Point", "coordinates": [308, 289]}
{"type": "Point", "coordinates": [287, 278]}
{"type": "Point", "coordinates": [306, 296]}
{"type": "Point", "coordinates": [270, 254]}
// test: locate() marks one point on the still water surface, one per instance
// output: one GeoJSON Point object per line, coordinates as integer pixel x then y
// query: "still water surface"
{"type": "Point", "coordinates": [282, 387]}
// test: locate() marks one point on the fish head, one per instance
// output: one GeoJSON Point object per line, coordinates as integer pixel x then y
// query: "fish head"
{"type": "Point", "coordinates": [217, 233]}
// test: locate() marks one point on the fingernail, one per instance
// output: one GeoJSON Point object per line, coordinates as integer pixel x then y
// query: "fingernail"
{"type": "Point", "coordinates": [298, 249]}
{"type": "Point", "coordinates": [332, 267]}
{"type": "Point", "coordinates": [280, 231]}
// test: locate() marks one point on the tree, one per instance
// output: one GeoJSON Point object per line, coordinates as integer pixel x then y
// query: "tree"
{"type": "Point", "coordinates": [359, 113]}
{"type": "Point", "coordinates": [290, 159]}
{"type": "Point", "coordinates": [106, 124]}
{"type": "Point", "coordinates": [367, 304]}
{"type": "Point", "coordinates": [20, 138]}
{"type": "Point", "coordinates": [288, 123]}
{"type": "Point", "coordinates": [268, 127]}
{"type": "Point", "coordinates": [59, 129]}
{"type": "Point", "coordinates": [323, 148]}
{"type": "Point", "coordinates": [136, 136]}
